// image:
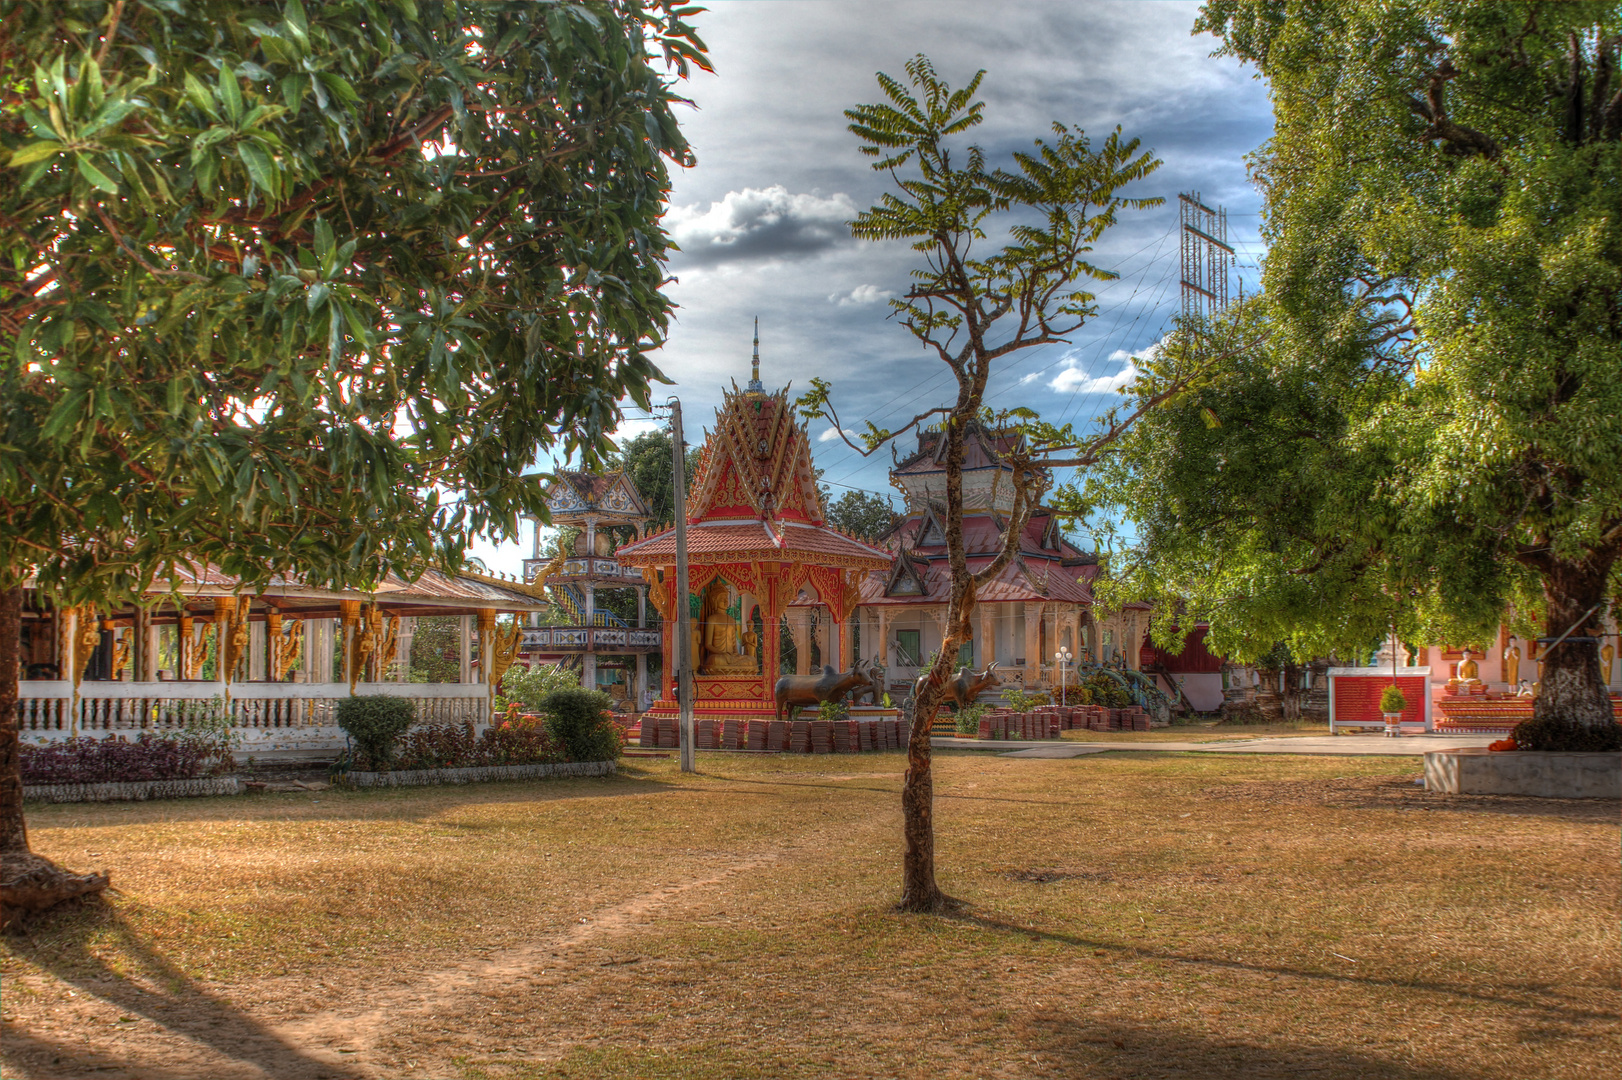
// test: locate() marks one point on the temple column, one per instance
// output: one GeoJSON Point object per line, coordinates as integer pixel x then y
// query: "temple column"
{"type": "Point", "coordinates": [588, 662]}
{"type": "Point", "coordinates": [256, 652]}
{"type": "Point", "coordinates": [640, 686]}
{"type": "Point", "coordinates": [988, 637]}
{"type": "Point", "coordinates": [881, 641]}
{"type": "Point", "coordinates": [826, 652]}
{"type": "Point", "coordinates": [799, 632]}
{"type": "Point", "coordinates": [145, 646]}
{"type": "Point", "coordinates": [464, 668]}
{"type": "Point", "coordinates": [402, 649]}
{"type": "Point", "coordinates": [1033, 643]}
{"type": "Point", "coordinates": [771, 662]}
{"type": "Point", "coordinates": [223, 660]}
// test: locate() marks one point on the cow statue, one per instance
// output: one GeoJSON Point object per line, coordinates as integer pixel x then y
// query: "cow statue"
{"type": "Point", "coordinates": [961, 689]}
{"type": "Point", "coordinates": [873, 688]}
{"type": "Point", "coordinates": [814, 689]}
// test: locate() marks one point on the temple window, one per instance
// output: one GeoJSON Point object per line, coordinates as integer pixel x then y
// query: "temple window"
{"type": "Point", "coordinates": [909, 648]}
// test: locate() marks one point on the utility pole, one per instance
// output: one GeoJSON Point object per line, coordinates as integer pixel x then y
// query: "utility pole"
{"type": "Point", "coordinates": [684, 615]}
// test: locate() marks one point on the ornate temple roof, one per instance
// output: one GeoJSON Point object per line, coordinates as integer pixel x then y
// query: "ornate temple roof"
{"type": "Point", "coordinates": [754, 496]}
{"type": "Point", "coordinates": [612, 494]}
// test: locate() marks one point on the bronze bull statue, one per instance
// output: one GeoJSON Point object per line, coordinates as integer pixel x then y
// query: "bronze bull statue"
{"type": "Point", "coordinates": [814, 689]}
{"type": "Point", "coordinates": [961, 689]}
{"type": "Point", "coordinates": [873, 688]}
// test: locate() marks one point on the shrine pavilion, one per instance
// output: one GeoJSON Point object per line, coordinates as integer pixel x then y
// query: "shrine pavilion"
{"type": "Point", "coordinates": [757, 542]}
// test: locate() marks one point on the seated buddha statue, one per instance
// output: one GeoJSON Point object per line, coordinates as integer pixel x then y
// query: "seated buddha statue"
{"type": "Point", "coordinates": [721, 649]}
{"type": "Point", "coordinates": [1469, 670]}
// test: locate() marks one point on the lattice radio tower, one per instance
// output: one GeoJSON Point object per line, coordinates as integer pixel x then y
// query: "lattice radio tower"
{"type": "Point", "coordinates": [1207, 257]}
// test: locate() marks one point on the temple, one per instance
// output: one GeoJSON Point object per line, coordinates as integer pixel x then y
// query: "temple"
{"type": "Point", "coordinates": [609, 646]}
{"type": "Point", "coordinates": [757, 542]}
{"type": "Point", "coordinates": [1039, 604]}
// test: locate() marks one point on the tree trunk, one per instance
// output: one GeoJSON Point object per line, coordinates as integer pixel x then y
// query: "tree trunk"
{"type": "Point", "coordinates": [13, 830]}
{"type": "Point", "coordinates": [28, 882]}
{"type": "Point", "coordinates": [919, 891]}
{"type": "Point", "coordinates": [1292, 692]}
{"type": "Point", "coordinates": [1573, 687]}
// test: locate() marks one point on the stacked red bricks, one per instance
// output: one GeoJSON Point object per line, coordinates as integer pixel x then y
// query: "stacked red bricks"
{"type": "Point", "coordinates": [781, 736]}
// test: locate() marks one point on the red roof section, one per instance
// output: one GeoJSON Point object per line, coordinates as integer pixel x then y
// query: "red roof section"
{"type": "Point", "coordinates": [706, 541]}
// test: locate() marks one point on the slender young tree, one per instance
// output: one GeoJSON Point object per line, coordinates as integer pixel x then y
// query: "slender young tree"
{"type": "Point", "coordinates": [975, 300]}
{"type": "Point", "coordinates": [297, 290]}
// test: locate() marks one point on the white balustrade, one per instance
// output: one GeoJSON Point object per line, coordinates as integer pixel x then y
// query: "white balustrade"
{"type": "Point", "coordinates": [47, 709]}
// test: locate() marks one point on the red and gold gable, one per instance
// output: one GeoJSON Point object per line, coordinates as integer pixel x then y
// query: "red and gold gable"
{"type": "Point", "coordinates": [756, 463]}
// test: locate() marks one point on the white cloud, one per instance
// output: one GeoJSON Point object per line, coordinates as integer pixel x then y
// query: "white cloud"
{"type": "Point", "coordinates": [760, 223]}
{"type": "Point", "coordinates": [829, 434]}
{"type": "Point", "coordinates": [861, 294]}
{"type": "Point", "coordinates": [1074, 379]}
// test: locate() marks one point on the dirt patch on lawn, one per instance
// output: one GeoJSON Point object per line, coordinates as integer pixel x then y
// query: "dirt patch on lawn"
{"type": "Point", "coordinates": [1405, 793]}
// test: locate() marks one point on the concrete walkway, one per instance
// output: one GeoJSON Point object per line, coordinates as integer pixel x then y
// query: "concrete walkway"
{"type": "Point", "coordinates": [1333, 745]}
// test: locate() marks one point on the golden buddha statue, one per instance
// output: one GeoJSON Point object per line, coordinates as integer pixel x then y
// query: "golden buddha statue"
{"type": "Point", "coordinates": [1469, 670]}
{"type": "Point", "coordinates": [1512, 664]}
{"type": "Point", "coordinates": [718, 636]}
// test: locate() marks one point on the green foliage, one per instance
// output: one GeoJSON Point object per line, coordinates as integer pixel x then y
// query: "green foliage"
{"type": "Point", "coordinates": [1104, 689]}
{"type": "Point", "coordinates": [648, 460]}
{"type": "Point", "coordinates": [968, 718]}
{"type": "Point", "coordinates": [289, 288]}
{"type": "Point", "coordinates": [1427, 433]}
{"type": "Point", "coordinates": [1392, 699]}
{"type": "Point", "coordinates": [1556, 734]}
{"type": "Point", "coordinates": [832, 710]}
{"type": "Point", "coordinates": [529, 687]}
{"type": "Point", "coordinates": [861, 514]}
{"type": "Point", "coordinates": [1018, 700]}
{"type": "Point", "coordinates": [436, 646]}
{"type": "Point", "coordinates": [580, 721]}
{"type": "Point", "coordinates": [374, 722]}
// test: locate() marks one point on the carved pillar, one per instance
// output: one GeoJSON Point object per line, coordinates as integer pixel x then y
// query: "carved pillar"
{"type": "Point", "coordinates": [224, 611]}
{"type": "Point", "coordinates": [257, 643]}
{"type": "Point", "coordinates": [987, 636]}
{"type": "Point", "coordinates": [881, 640]}
{"type": "Point", "coordinates": [487, 642]}
{"type": "Point", "coordinates": [350, 622]}
{"type": "Point", "coordinates": [1033, 643]}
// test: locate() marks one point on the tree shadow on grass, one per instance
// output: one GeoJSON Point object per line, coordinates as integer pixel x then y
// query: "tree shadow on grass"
{"type": "Point", "coordinates": [1536, 999]}
{"type": "Point", "coordinates": [203, 1034]}
{"type": "Point", "coordinates": [332, 804]}
{"type": "Point", "coordinates": [1095, 1048]}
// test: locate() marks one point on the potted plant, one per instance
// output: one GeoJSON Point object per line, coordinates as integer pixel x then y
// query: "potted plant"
{"type": "Point", "coordinates": [1391, 705]}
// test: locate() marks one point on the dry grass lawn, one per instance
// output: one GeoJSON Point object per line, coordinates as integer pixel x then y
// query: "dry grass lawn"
{"type": "Point", "coordinates": [1127, 915]}
{"type": "Point", "coordinates": [1201, 731]}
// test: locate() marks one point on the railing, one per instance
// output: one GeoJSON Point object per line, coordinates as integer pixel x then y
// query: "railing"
{"type": "Point", "coordinates": [591, 639]}
{"type": "Point", "coordinates": [584, 566]}
{"type": "Point", "coordinates": [50, 710]}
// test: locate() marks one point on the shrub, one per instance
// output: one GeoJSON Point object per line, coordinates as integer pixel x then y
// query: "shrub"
{"type": "Point", "coordinates": [520, 741]}
{"type": "Point", "coordinates": [579, 720]}
{"type": "Point", "coordinates": [1103, 689]}
{"type": "Point", "coordinates": [85, 760]}
{"type": "Point", "coordinates": [1018, 700]}
{"type": "Point", "coordinates": [968, 718]}
{"type": "Point", "coordinates": [1392, 700]}
{"type": "Point", "coordinates": [374, 723]}
{"type": "Point", "coordinates": [1556, 734]}
{"type": "Point", "coordinates": [832, 710]}
{"type": "Point", "coordinates": [528, 687]}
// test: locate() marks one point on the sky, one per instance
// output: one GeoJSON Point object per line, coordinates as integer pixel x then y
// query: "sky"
{"type": "Point", "coordinates": [762, 216]}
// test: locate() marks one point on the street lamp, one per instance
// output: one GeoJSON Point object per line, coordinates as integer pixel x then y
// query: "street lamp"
{"type": "Point", "coordinates": [1062, 657]}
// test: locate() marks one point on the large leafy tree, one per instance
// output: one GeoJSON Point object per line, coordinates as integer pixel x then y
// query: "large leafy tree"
{"type": "Point", "coordinates": [1001, 253]}
{"type": "Point", "coordinates": [861, 513]}
{"type": "Point", "coordinates": [1445, 258]}
{"type": "Point", "coordinates": [647, 459]}
{"type": "Point", "coordinates": [302, 289]}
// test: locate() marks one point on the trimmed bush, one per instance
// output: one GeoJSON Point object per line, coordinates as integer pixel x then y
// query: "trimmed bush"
{"type": "Point", "coordinates": [580, 722]}
{"type": "Point", "coordinates": [374, 723]}
{"type": "Point", "coordinates": [968, 718]}
{"type": "Point", "coordinates": [520, 741]}
{"type": "Point", "coordinates": [1557, 735]}
{"type": "Point", "coordinates": [1392, 699]}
